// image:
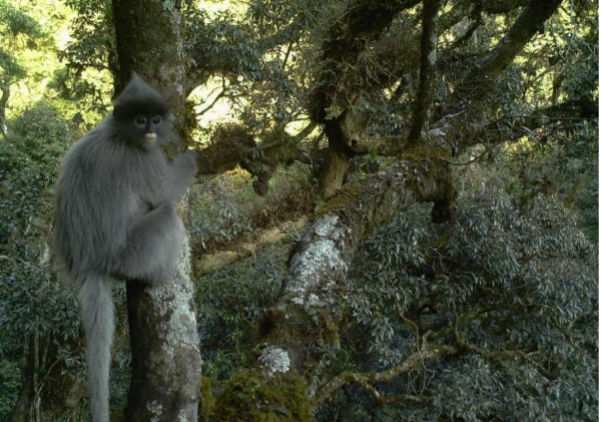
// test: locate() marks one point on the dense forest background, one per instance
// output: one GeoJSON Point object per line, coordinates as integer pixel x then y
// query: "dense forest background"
{"type": "Point", "coordinates": [395, 217]}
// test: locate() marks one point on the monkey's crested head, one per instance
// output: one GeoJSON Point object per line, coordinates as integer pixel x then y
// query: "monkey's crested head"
{"type": "Point", "coordinates": [142, 115]}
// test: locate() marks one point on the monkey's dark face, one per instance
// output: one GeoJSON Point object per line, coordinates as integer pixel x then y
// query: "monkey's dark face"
{"type": "Point", "coordinates": [143, 128]}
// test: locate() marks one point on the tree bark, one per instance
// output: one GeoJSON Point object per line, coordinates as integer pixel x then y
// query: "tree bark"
{"type": "Point", "coordinates": [165, 350]}
{"type": "Point", "coordinates": [166, 361]}
{"type": "Point", "coordinates": [337, 160]}
{"type": "Point", "coordinates": [5, 89]}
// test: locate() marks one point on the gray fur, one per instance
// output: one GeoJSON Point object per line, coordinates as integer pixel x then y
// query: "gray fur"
{"type": "Point", "coordinates": [98, 317]}
{"type": "Point", "coordinates": [115, 218]}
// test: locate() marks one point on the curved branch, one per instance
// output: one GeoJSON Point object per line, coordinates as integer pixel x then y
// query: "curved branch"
{"type": "Point", "coordinates": [211, 262]}
{"type": "Point", "coordinates": [365, 380]}
{"type": "Point", "coordinates": [529, 22]}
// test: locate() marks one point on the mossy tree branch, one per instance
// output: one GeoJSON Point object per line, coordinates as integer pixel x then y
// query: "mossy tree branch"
{"type": "Point", "coordinates": [367, 380]}
{"type": "Point", "coordinates": [530, 21]}
{"type": "Point", "coordinates": [297, 332]}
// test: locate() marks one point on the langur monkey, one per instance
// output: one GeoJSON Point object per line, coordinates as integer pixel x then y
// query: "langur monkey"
{"type": "Point", "coordinates": [115, 217]}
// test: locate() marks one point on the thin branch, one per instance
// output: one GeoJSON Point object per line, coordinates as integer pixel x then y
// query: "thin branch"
{"type": "Point", "coordinates": [478, 22]}
{"type": "Point", "coordinates": [215, 100]}
{"type": "Point", "coordinates": [466, 163]}
{"type": "Point", "coordinates": [288, 52]}
{"type": "Point", "coordinates": [305, 132]}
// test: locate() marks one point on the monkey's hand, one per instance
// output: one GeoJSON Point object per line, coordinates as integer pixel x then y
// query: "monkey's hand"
{"type": "Point", "coordinates": [184, 168]}
{"type": "Point", "coordinates": [153, 247]}
{"type": "Point", "coordinates": [187, 163]}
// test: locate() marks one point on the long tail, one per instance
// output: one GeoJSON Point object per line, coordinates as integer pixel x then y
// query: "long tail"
{"type": "Point", "coordinates": [98, 316]}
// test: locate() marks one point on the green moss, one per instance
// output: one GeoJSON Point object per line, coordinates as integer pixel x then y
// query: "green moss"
{"type": "Point", "coordinates": [117, 416]}
{"type": "Point", "coordinates": [207, 400]}
{"type": "Point", "coordinates": [251, 396]}
{"type": "Point", "coordinates": [331, 333]}
{"type": "Point", "coordinates": [426, 150]}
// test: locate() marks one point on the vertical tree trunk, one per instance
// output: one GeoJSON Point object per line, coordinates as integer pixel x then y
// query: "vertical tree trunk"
{"type": "Point", "coordinates": [346, 39]}
{"type": "Point", "coordinates": [20, 411]}
{"type": "Point", "coordinates": [428, 63]}
{"type": "Point", "coordinates": [337, 162]}
{"type": "Point", "coordinates": [5, 89]}
{"type": "Point", "coordinates": [166, 362]}
{"type": "Point", "coordinates": [35, 402]}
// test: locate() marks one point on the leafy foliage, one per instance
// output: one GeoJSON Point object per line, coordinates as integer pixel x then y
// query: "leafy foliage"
{"type": "Point", "coordinates": [10, 381]}
{"type": "Point", "coordinates": [90, 56]}
{"type": "Point", "coordinates": [513, 286]}
{"type": "Point", "coordinates": [16, 23]}
{"type": "Point", "coordinates": [16, 27]}
{"type": "Point", "coordinates": [565, 167]}
{"type": "Point", "coordinates": [33, 304]}
{"type": "Point", "coordinates": [28, 167]}
{"type": "Point", "coordinates": [230, 305]}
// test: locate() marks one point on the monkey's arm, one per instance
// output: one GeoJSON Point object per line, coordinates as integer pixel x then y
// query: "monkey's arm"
{"type": "Point", "coordinates": [182, 171]}
{"type": "Point", "coordinates": [153, 247]}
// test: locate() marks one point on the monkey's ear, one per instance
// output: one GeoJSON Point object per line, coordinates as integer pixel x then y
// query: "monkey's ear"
{"type": "Point", "coordinates": [134, 76]}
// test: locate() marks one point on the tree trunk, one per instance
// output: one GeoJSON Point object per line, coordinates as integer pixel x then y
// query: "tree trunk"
{"type": "Point", "coordinates": [347, 38]}
{"type": "Point", "coordinates": [337, 161]}
{"type": "Point", "coordinates": [5, 89]}
{"type": "Point", "coordinates": [166, 361]}
{"type": "Point", "coordinates": [428, 65]}
{"type": "Point", "coordinates": [28, 404]}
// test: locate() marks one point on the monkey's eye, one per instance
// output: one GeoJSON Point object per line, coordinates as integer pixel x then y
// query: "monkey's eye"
{"type": "Point", "coordinates": [140, 121]}
{"type": "Point", "coordinates": [156, 120]}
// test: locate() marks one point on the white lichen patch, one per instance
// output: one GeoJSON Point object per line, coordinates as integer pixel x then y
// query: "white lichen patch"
{"type": "Point", "coordinates": [156, 409]}
{"type": "Point", "coordinates": [315, 266]}
{"type": "Point", "coordinates": [319, 263]}
{"type": "Point", "coordinates": [274, 360]}
{"type": "Point", "coordinates": [182, 416]}
{"type": "Point", "coordinates": [326, 226]}
{"type": "Point", "coordinates": [169, 5]}
{"type": "Point", "coordinates": [312, 301]}
{"type": "Point", "coordinates": [433, 57]}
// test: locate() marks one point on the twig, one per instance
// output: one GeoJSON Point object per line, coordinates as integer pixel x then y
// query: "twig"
{"type": "Point", "coordinates": [215, 100]}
